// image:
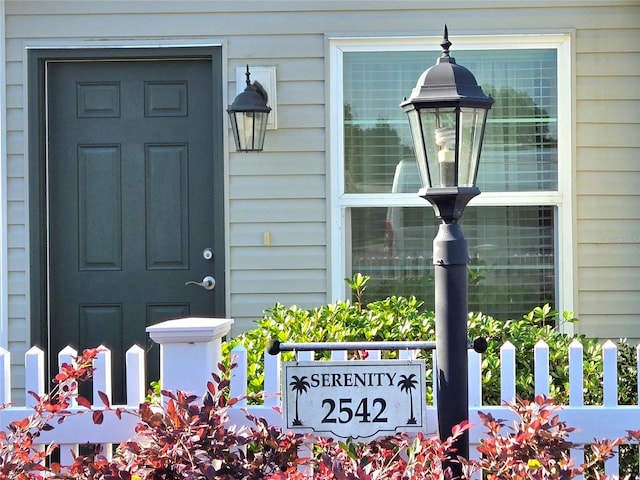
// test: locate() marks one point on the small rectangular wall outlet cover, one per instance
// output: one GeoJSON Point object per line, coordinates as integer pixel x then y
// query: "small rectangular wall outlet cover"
{"type": "Point", "coordinates": [266, 76]}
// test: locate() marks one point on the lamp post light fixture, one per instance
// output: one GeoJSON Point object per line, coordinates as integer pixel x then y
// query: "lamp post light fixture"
{"type": "Point", "coordinates": [447, 112]}
{"type": "Point", "coordinates": [248, 115]}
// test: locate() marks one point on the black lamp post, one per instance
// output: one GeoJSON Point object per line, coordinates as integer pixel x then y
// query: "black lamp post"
{"type": "Point", "coordinates": [447, 112]}
{"type": "Point", "coordinates": [248, 115]}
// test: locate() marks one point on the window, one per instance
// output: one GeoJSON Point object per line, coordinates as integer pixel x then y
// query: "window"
{"type": "Point", "coordinates": [516, 229]}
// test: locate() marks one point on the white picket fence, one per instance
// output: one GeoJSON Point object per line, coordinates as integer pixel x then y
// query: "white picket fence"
{"type": "Point", "coordinates": [608, 420]}
{"type": "Point", "coordinates": [187, 341]}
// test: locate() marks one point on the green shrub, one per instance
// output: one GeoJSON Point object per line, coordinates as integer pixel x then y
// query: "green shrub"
{"type": "Point", "coordinates": [400, 318]}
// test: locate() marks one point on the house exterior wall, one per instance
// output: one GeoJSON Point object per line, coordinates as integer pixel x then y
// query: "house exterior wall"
{"type": "Point", "coordinates": [284, 190]}
{"type": "Point", "coordinates": [607, 175]}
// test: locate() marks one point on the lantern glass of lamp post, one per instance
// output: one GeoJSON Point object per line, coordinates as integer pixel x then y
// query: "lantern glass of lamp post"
{"type": "Point", "coordinates": [447, 112]}
{"type": "Point", "coordinates": [450, 158]}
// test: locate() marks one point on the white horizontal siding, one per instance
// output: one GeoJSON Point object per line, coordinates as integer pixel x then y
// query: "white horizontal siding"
{"type": "Point", "coordinates": [15, 142]}
{"type": "Point", "coordinates": [610, 135]}
{"type": "Point", "coordinates": [289, 115]}
{"type": "Point", "coordinates": [300, 46]}
{"type": "Point", "coordinates": [18, 306]}
{"type": "Point", "coordinates": [618, 303]}
{"type": "Point", "coordinates": [616, 110]}
{"type": "Point", "coordinates": [607, 159]}
{"type": "Point", "coordinates": [277, 211]}
{"type": "Point", "coordinates": [618, 183]}
{"type": "Point", "coordinates": [607, 177]}
{"type": "Point", "coordinates": [608, 88]}
{"type": "Point", "coordinates": [609, 231]}
{"type": "Point", "coordinates": [16, 236]}
{"type": "Point", "coordinates": [293, 140]}
{"type": "Point", "coordinates": [625, 326]}
{"type": "Point", "coordinates": [277, 187]}
{"type": "Point", "coordinates": [279, 163]}
{"type": "Point", "coordinates": [617, 279]}
{"type": "Point", "coordinates": [591, 206]}
{"type": "Point", "coordinates": [16, 216]}
{"type": "Point", "coordinates": [17, 284]}
{"type": "Point", "coordinates": [591, 40]}
{"type": "Point", "coordinates": [267, 282]}
{"type": "Point", "coordinates": [283, 234]}
{"type": "Point", "coordinates": [613, 254]}
{"type": "Point", "coordinates": [15, 166]}
{"type": "Point", "coordinates": [277, 258]}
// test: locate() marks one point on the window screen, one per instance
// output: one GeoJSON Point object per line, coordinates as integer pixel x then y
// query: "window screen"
{"type": "Point", "coordinates": [520, 147]}
{"type": "Point", "coordinates": [511, 249]}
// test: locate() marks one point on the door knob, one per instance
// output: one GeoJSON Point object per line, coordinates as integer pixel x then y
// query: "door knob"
{"type": "Point", "coordinates": [208, 283]}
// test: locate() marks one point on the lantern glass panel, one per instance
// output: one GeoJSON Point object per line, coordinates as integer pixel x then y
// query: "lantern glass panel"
{"type": "Point", "coordinates": [249, 130]}
{"type": "Point", "coordinates": [472, 121]}
{"type": "Point", "coordinates": [234, 129]}
{"type": "Point", "coordinates": [419, 146]}
{"type": "Point", "coordinates": [439, 133]}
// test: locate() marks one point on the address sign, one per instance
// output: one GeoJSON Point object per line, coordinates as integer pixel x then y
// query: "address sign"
{"type": "Point", "coordinates": [357, 398]}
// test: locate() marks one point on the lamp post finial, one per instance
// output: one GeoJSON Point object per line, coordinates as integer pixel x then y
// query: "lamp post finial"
{"type": "Point", "coordinates": [248, 75]}
{"type": "Point", "coordinates": [445, 44]}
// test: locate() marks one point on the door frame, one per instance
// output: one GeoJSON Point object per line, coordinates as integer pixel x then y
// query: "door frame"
{"type": "Point", "coordinates": [37, 59]}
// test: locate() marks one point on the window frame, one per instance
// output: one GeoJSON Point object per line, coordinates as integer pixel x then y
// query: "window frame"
{"type": "Point", "coordinates": [561, 199]}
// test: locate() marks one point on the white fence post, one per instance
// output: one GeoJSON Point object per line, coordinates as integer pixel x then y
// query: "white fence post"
{"type": "Point", "coordinates": [306, 356]}
{"type": "Point", "coordinates": [271, 380]}
{"type": "Point", "coordinates": [339, 355]}
{"type": "Point", "coordinates": [68, 450]}
{"type": "Point", "coordinates": [102, 376]}
{"type": "Point", "coordinates": [5, 376]}
{"type": "Point", "coordinates": [475, 379]}
{"type": "Point", "coordinates": [135, 375]}
{"type": "Point", "coordinates": [102, 383]}
{"type": "Point", "coordinates": [610, 374]}
{"type": "Point", "coordinates": [238, 387]}
{"type": "Point", "coordinates": [576, 374]}
{"type": "Point", "coordinates": [34, 374]}
{"type": "Point", "coordinates": [508, 372]}
{"type": "Point", "coordinates": [576, 396]}
{"type": "Point", "coordinates": [541, 368]}
{"type": "Point", "coordinates": [66, 355]}
{"type": "Point", "coordinates": [610, 393]}
{"type": "Point", "coordinates": [190, 350]}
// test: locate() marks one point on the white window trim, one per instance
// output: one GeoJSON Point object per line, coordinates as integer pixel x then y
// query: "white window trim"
{"type": "Point", "coordinates": [562, 199]}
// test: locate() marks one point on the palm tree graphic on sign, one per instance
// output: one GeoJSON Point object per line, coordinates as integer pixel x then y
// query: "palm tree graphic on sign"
{"type": "Point", "coordinates": [408, 384]}
{"type": "Point", "coordinates": [298, 385]}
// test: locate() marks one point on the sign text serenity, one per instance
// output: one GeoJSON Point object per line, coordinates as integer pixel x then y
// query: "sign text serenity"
{"type": "Point", "coordinates": [358, 398]}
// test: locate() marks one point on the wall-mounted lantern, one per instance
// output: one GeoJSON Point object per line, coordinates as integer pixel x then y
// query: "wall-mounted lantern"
{"type": "Point", "coordinates": [248, 115]}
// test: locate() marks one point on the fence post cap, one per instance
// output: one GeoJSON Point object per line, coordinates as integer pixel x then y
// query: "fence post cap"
{"type": "Point", "coordinates": [190, 330]}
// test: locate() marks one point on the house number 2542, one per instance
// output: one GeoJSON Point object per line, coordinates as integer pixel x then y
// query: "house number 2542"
{"type": "Point", "coordinates": [345, 410]}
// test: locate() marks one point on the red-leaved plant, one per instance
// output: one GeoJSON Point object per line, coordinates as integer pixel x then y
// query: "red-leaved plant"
{"type": "Point", "coordinates": [184, 437]}
{"type": "Point", "coordinates": [20, 457]}
{"type": "Point", "coordinates": [537, 447]}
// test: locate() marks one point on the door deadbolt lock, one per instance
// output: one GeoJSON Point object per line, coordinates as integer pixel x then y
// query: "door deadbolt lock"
{"type": "Point", "coordinates": [208, 283]}
{"type": "Point", "coordinates": [207, 254]}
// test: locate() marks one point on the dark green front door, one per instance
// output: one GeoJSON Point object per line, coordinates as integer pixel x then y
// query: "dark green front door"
{"type": "Point", "coordinates": [131, 202]}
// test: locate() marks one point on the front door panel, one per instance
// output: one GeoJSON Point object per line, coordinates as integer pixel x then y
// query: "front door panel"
{"type": "Point", "coordinates": [130, 171]}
